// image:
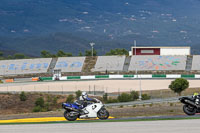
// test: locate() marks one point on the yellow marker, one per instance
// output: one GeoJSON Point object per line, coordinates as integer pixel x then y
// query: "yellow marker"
{"type": "Point", "coordinates": [45, 119]}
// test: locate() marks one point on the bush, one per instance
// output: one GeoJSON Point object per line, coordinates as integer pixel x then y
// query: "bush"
{"type": "Point", "coordinates": [179, 85]}
{"type": "Point", "coordinates": [124, 97]}
{"type": "Point", "coordinates": [78, 93]}
{"type": "Point", "coordinates": [46, 107]}
{"type": "Point", "coordinates": [39, 102]}
{"type": "Point", "coordinates": [70, 98]}
{"type": "Point", "coordinates": [41, 106]}
{"type": "Point", "coordinates": [145, 97]}
{"type": "Point", "coordinates": [134, 95]}
{"type": "Point", "coordinates": [105, 97]}
{"type": "Point", "coordinates": [112, 100]}
{"type": "Point", "coordinates": [55, 99]}
{"type": "Point", "coordinates": [23, 96]}
{"type": "Point", "coordinates": [1, 82]}
{"type": "Point", "coordinates": [49, 98]}
{"type": "Point", "coordinates": [37, 109]}
{"type": "Point", "coordinates": [121, 106]}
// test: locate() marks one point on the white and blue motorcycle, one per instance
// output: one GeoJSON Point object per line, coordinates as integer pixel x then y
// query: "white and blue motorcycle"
{"type": "Point", "coordinates": [92, 110]}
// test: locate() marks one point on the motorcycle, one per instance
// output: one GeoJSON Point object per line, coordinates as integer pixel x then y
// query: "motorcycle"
{"type": "Point", "coordinates": [92, 110]}
{"type": "Point", "coordinates": [190, 107]}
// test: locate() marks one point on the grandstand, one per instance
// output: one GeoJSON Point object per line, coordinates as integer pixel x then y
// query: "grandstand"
{"type": "Point", "coordinates": [109, 63]}
{"type": "Point", "coordinates": [157, 63]}
{"type": "Point", "coordinates": [196, 62]}
{"type": "Point", "coordinates": [25, 66]}
{"type": "Point", "coordinates": [70, 64]}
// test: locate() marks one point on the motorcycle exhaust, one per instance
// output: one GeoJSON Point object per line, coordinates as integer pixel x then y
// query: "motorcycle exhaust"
{"type": "Point", "coordinates": [70, 108]}
{"type": "Point", "coordinates": [191, 103]}
{"type": "Point", "coordinates": [74, 113]}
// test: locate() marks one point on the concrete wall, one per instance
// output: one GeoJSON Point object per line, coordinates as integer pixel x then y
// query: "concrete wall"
{"type": "Point", "coordinates": [175, 51]}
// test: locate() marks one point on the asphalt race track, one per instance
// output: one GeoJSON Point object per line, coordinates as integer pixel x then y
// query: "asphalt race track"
{"type": "Point", "coordinates": [165, 126]}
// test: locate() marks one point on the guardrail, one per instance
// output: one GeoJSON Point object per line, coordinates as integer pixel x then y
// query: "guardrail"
{"type": "Point", "coordinates": [151, 101]}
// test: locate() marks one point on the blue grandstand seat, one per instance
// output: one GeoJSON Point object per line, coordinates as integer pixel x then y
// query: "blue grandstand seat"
{"type": "Point", "coordinates": [24, 66]}
{"type": "Point", "coordinates": [70, 64]}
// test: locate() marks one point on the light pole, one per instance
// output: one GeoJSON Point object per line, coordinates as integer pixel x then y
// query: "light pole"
{"type": "Point", "coordinates": [140, 94]}
{"type": "Point", "coordinates": [135, 55]}
{"type": "Point", "coordinates": [135, 46]}
{"type": "Point", "coordinates": [92, 45]}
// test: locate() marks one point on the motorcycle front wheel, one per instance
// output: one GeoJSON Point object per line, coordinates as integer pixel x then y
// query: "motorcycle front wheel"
{"type": "Point", "coordinates": [189, 110]}
{"type": "Point", "coordinates": [103, 114]}
{"type": "Point", "coordinates": [69, 117]}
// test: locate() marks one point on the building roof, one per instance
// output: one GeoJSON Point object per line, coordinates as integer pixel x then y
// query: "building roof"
{"type": "Point", "coordinates": [163, 47]}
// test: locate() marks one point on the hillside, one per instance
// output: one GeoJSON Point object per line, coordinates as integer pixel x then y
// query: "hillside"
{"type": "Point", "coordinates": [29, 26]}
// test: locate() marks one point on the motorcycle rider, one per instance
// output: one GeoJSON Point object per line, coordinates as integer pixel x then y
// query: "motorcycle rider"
{"type": "Point", "coordinates": [83, 101]}
{"type": "Point", "coordinates": [197, 99]}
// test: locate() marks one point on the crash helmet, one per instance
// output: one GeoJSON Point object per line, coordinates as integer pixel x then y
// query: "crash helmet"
{"type": "Point", "coordinates": [196, 94]}
{"type": "Point", "coordinates": [84, 95]}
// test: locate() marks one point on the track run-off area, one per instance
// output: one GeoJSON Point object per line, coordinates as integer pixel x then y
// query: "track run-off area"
{"type": "Point", "coordinates": [151, 125]}
{"type": "Point", "coordinates": [108, 86]}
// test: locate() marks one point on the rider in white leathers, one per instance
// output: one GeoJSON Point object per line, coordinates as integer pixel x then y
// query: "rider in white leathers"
{"type": "Point", "coordinates": [83, 100]}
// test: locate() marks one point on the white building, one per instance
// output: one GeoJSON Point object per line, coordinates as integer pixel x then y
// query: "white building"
{"type": "Point", "coordinates": [160, 51]}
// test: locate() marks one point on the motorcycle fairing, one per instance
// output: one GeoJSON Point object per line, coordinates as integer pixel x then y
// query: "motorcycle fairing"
{"type": "Point", "coordinates": [92, 110]}
{"type": "Point", "coordinates": [71, 105]}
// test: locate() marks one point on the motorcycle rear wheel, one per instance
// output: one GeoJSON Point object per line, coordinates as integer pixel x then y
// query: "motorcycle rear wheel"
{"type": "Point", "coordinates": [103, 114]}
{"type": "Point", "coordinates": [68, 117]}
{"type": "Point", "coordinates": [189, 110]}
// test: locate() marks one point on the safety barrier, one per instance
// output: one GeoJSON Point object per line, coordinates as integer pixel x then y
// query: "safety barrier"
{"type": "Point", "coordinates": [35, 79]}
{"type": "Point", "coordinates": [139, 76]}
{"type": "Point", "coordinates": [9, 80]}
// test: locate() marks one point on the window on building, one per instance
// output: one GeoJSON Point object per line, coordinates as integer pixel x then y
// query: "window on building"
{"type": "Point", "coordinates": [147, 51]}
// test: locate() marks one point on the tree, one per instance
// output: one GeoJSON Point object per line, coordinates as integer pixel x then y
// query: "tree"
{"type": "Point", "coordinates": [89, 53]}
{"type": "Point", "coordinates": [80, 54]}
{"type": "Point", "coordinates": [179, 85]}
{"type": "Point", "coordinates": [117, 51]}
{"type": "Point", "coordinates": [68, 54]}
{"type": "Point", "coordinates": [9, 57]}
{"type": "Point", "coordinates": [1, 54]}
{"type": "Point", "coordinates": [60, 53]}
{"type": "Point", "coordinates": [19, 56]}
{"type": "Point", "coordinates": [45, 54]}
